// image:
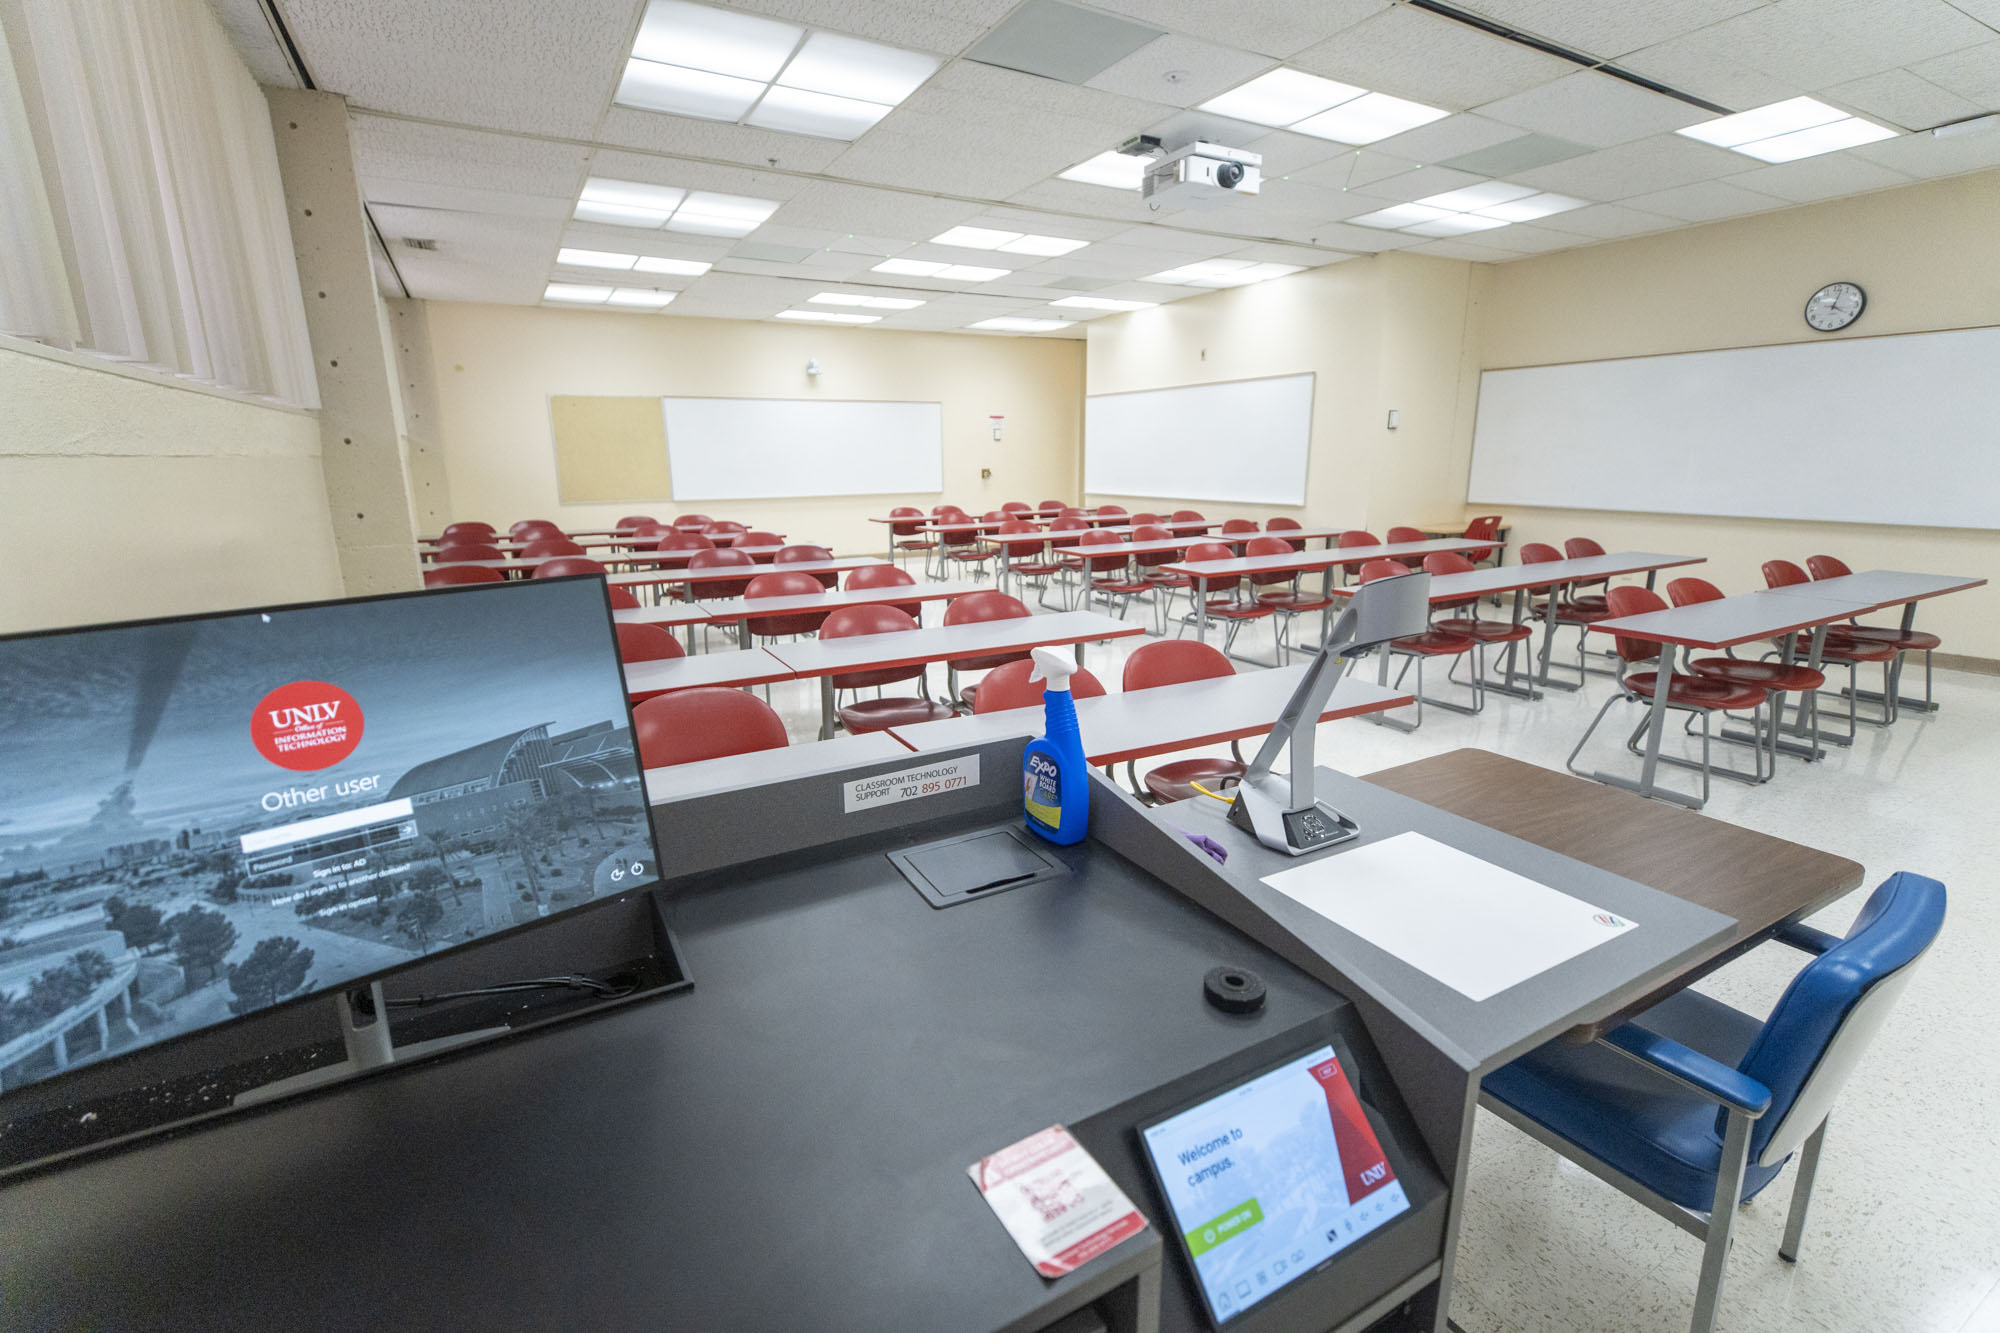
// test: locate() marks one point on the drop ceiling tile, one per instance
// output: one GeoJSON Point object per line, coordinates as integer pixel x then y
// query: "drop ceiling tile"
{"type": "Point", "coordinates": [1592, 108]}
{"type": "Point", "coordinates": [1305, 201]}
{"type": "Point", "coordinates": [809, 238]}
{"type": "Point", "coordinates": [1277, 28]}
{"type": "Point", "coordinates": [1610, 30]}
{"type": "Point", "coordinates": [542, 69]}
{"type": "Point", "coordinates": [1900, 99]}
{"type": "Point", "coordinates": [1350, 170]}
{"type": "Point", "coordinates": [634, 241]}
{"type": "Point", "coordinates": [463, 199]}
{"type": "Point", "coordinates": [1528, 239]}
{"type": "Point", "coordinates": [432, 278]}
{"type": "Point", "coordinates": [840, 207]}
{"type": "Point", "coordinates": [1896, 32]}
{"type": "Point", "coordinates": [1361, 240]}
{"type": "Point", "coordinates": [1986, 11]}
{"type": "Point", "coordinates": [1823, 177]}
{"type": "Point", "coordinates": [682, 136]}
{"type": "Point", "coordinates": [1284, 152]}
{"type": "Point", "coordinates": [945, 26]}
{"type": "Point", "coordinates": [1972, 73]}
{"type": "Point", "coordinates": [1409, 53]}
{"type": "Point", "coordinates": [770, 252]}
{"type": "Point", "coordinates": [1521, 153]}
{"type": "Point", "coordinates": [1704, 201]}
{"type": "Point", "coordinates": [1180, 71]}
{"type": "Point", "coordinates": [1608, 220]}
{"type": "Point", "coordinates": [1172, 240]}
{"type": "Point", "coordinates": [1819, 43]}
{"type": "Point", "coordinates": [1925, 156]}
{"type": "Point", "coordinates": [1441, 139]}
{"type": "Point", "coordinates": [654, 170]}
{"type": "Point", "coordinates": [387, 149]}
{"type": "Point", "coordinates": [1702, 66]}
{"type": "Point", "coordinates": [879, 247]}
{"type": "Point", "coordinates": [1658, 163]}
{"type": "Point", "coordinates": [1047, 224]}
{"type": "Point", "coordinates": [1264, 252]}
{"type": "Point", "coordinates": [1076, 197]}
{"type": "Point", "coordinates": [1418, 184]}
{"type": "Point", "coordinates": [1060, 41]}
{"type": "Point", "coordinates": [1459, 248]}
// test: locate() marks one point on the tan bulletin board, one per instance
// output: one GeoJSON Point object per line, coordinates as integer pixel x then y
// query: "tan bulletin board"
{"type": "Point", "coordinates": [609, 449]}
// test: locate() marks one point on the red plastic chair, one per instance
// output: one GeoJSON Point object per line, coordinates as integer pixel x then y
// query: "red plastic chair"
{"type": "Point", "coordinates": [452, 576]}
{"type": "Point", "coordinates": [564, 565]}
{"type": "Point", "coordinates": [1017, 507]}
{"type": "Point", "coordinates": [1142, 518]}
{"type": "Point", "coordinates": [1008, 686]}
{"type": "Point", "coordinates": [636, 521]}
{"type": "Point", "coordinates": [472, 532]}
{"type": "Point", "coordinates": [1164, 583]}
{"type": "Point", "coordinates": [1484, 633]}
{"type": "Point", "coordinates": [759, 539]}
{"type": "Point", "coordinates": [622, 599]}
{"type": "Point", "coordinates": [1700, 695]}
{"type": "Point", "coordinates": [1175, 662]}
{"type": "Point", "coordinates": [1286, 598]}
{"type": "Point", "coordinates": [550, 546]}
{"type": "Point", "coordinates": [1780, 678]}
{"type": "Point", "coordinates": [727, 531]}
{"type": "Point", "coordinates": [1400, 535]}
{"type": "Point", "coordinates": [886, 576]}
{"type": "Point", "coordinates": [1582, 548]}
{"type": "Point", "coordinates": [691, 522]}
{"type": "Point", "coordinates": [970, 609]}
{"type": "Point", "coordinates": [707, 722]}
{"type": "Point", "coordinates": [785, 583]}
{"type": "Point", "coordinates": [1277, 525]}
{"type": "Point", "coordinates": [964, 546]}
{"type": "Point", "coordinates": [905, 536]}
{"type": "Point", "coordinates": [1105, 510]}
{"type": "Point", "coordinates": [1186, 516]}
{"type": "Point", "coordinates": [720, 557]}
{"type": "Point", "coordinates": [1565, 611]}
{"type": "Point", "coordinates": [451, 555]}
{"type": "Point", "coordinates": [1354, 537]}
{"type": "Point", "coordinates": [1238, 527]}
{"type": "Point", "coordinates": [683, 539]}
{"type": "Point", "coordinates": [1051, 507]}
{"type": "Point", "coordinates": [1108, 575]}
{"type": "Point", "coordinates": [1481, 529]}
{"type": "Point", "coordinates": [865, 715]}
{"type": "Point", "coordinates": [792, 555]}
{"type": "Point", "coordinates": [530, 528]}
{"type": "Point", "coordinates": [1065, 533]}
{"type": "Point", "coordinates": [1904, 641]}
{"type": "Point", "coordinates": [1416, 649]}
{"type": "Point", "coordinates": [1026, 562]}
{"type": "Point", "coordinates": [646, 643]}
{"type": "Point", "coordinates": [1841, 648]}
{"type": "Point", "coordinates": [1222, 601]}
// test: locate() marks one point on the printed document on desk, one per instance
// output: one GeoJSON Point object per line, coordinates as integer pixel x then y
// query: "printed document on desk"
{"type": "Point", "coordinates": [1469, 923]}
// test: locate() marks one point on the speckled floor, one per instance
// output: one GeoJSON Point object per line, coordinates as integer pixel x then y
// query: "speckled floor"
{"type": "Point", "coordinates": [1904, 1235]}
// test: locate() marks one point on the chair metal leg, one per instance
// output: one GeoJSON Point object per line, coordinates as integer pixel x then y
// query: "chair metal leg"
{"type": "Point", "coordinates": [1795, 1220]}
{"type": "Point", "coordinates": [1721, 1220]}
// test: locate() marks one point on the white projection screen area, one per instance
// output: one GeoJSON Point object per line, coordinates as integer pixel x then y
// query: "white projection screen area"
{"type": "Point", "coordinates": [1243, 440]}
{"type": "Point", "coordinates": [772, 448]}
{"type": "Point", "coordinates": [1902, 429]}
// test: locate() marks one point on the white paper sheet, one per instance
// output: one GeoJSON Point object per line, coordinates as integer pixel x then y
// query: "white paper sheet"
{"type": "Point", "coordinates": [1474, 926]}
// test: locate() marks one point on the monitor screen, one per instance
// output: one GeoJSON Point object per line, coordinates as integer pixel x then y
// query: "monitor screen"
{"type": "Point", "coordinates": [204, 817]}
{"type": "Point", "coordinates": [1272, 1178]}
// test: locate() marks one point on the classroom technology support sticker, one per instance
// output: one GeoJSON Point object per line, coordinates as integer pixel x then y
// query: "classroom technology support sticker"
{"type": "Point", "coordinates": [306, 725]}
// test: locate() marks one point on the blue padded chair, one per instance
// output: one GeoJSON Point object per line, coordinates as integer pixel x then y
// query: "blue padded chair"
{"type": "Point", "coordinates": [1692, 1104]}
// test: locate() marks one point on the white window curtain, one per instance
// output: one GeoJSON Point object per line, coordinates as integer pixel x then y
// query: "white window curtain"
{"type": "Point", "coordinates": [34, 287]}
{"type": "Point", "coordinates": [164, 175]}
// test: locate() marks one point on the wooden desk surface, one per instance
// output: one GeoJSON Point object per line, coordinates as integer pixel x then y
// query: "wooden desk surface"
{"type": "Point", "coordinates": [1753, 878]}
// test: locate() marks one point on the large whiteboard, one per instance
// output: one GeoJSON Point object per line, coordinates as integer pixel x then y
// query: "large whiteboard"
{"type": "Point", "coordinates": [1241, 440]}
{"type": "Point", "coordinates": [1900, 429]}
{"type": "Point", "coordinates": [768, 448]}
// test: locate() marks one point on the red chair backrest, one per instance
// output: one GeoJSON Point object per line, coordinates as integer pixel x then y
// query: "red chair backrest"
{"type": "Point", "coordinates": [1382, 569]}
{"type": "Point", "coordinates": [759, 539]}
{"type": "Point", "coordinates": [449, 576]}
{"type": "Point", "coordinates": [909, 529]}
{"type": "Point", "coordinates": [1154, 532]}
{"type": "Point", "coordinates": [1066, 524]}
{"type": "Point", "coordinates": [685, 540]}
{"type": "Point", "coordinates": [646, 643]}
{"type": "Point", "coordinates": [792, 555]}
{"type": "Point", "coordinates": [527, 528]}
{"type": "Point", "coordinates": [622, 599]}
{"type": "Point", "coordinates": [1406, 535]}
{"type": "Point", "coordinates": [786, 583]}
{"type": "Point", "coordinates": [1287, 525]}
{"type": "Point", "coordinates": [1017, 525]}
{"type": "Point", "coordinates": [994, 516]}
{"type": "Point", "coordinates": [564, 565]}
{"type": "Point", "coordinates": [1576, 548]}
{"type": "Point", "coordinates": [1051, 506]}
{"type": "Point", "coordinates": [721, 557]}
{"type": "Point", "coordinates": [1008, 686]}
{"type": "Point", "coordinates": [551, 546]}
{"type": "Point", "coordinates": [854, 621]}
{"type": "Point", "coordinates": [1099, 537]}
{"type": "Point", "coordinates": [1213, 551]}
{"type": "Point", "coordinates": [1269, 546]}
{"type": "Point", "coordinates": [475, 531]}
{"type": "Point", "coordinates": [726, 525]}
{"type": "Point", "coordinates": [636, 520]}
{"type": "Point", "coordinates": [886, 576]}
{"type": "Point", "coordinates": [1686, 592]}
{"type": "Point", "coordinates": [1187, 516]}
{"type": "Point", "coordinates": [1017, 507]}
{"type": "Point", "coordinates": [1539, 553]}
{"type": "Point", "coordinates": [451, 555]}
{"type": "Point", "coordinates": [704, 723]}
{"type": "Point", "coordinates": [1111, 509]}
{"type": "Point", "coordinates": [1783, 574]}
{"type": "Point", "coordinates": [1826, 566]}
{"type": "Point", "coordinates": [1238, 525]}
{"type": "Point", "coordinates": [1484, 528]}
{"type": "Point", "coordinates": [1143, 517]}
{"type": "Point", "coordinates": [1633, 600]}
{"type": "Point", "coordinates": [1174, 661]}
{"type": "Point", "coordinates": [949, 511]}
{"type": "Point", "coordinates": [1447, 562]}
{"type": "Point", "coordinates": [692, 522]}
{"type": "Point", "coordinates": [1358, 537]}
{"type": "Point", "coordinates": [984, 605]}
{"type": "Point", "coordinates": [648, 536]}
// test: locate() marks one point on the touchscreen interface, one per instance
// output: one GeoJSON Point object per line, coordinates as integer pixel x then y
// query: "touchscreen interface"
{"type": "Point", "coordinates": [1270, 1179]}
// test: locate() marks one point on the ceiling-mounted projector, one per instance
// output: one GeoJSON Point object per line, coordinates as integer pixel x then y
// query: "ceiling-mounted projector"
{"type": "Point", "coordinates": [1202, 174]}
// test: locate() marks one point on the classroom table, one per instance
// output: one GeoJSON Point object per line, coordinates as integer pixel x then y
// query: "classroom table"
{"type": "Point", "coordinates": [1714, 626]}
{"type": "Point", "coordinates": [826, 658]}
{"type": "Point", "coordinates": [1299, 562]}
{"type": "Point", "coordinates": [743, 610]}
{"type": "Point", "coordinates": [723, 573]}
{"type": "Point", "coordinates": [731, 772]}
{"type": "Point", "coordinates": [1886, 588]}
{"type": "Point", "coordinates": [1121, 728]}
{"type": "Point", "coordinates": [1758, 881]}
{"type": "Point", "coordinates": [655, 559]}
{"type": "Point", "coordinates": [746, 666]}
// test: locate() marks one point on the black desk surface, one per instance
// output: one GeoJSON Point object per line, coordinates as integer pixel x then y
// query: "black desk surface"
{"type": "Point", "coordinates": [781, 1147]}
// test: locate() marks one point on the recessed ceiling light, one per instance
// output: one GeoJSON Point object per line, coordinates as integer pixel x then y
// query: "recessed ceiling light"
{"type": "Point", "coordinates": [1016, 324]}
{"type": "Point", "coordinates": [648, 86]}
{"type": "Point", "coordinates": [721, 41]}
{"type": "Point", "coordinates": [685, 268]}
{"type": "Point", "coordinates": [1457, 224]}
{"type": "Point", "coordinates": [972, 272]}
{"type": "Point", "coordinates": [1402, 215]}
{"type": "Point", "coordinates": [1044, 246]}
{"type": "Point", "coordinates": [703, 212]}
{"type": "Point", "coordinates": [1367, 119]}
{"type": "Point", "coordinates": [928, 268]}
{"type": "Point", "coordinates": [1475, 197]}
{"type": "Point", "coordinates": [1531, 207]}
{"type": "Point", "coordinates": [1223, 273]}
{"type": "Point", "coordinates": [1281, 97]}
{"type": "Point", "coordinates": [864, 71]}
{"type": "Point", "coordinates": [1102, 303]}
{"type": "Point", "coordinates": [707, 214]}
{"type": "Point", "coordinates": [828, 317]}
{"type": "Point", "coordinates": [797, 111]}
{"type": "Point", "coordinates": [1013, 242]}
{"type": "Point", "coordinates": [873, 302]}
{"type": "Point", "coordinates": [576, 292]}
{"type": "Point", "coordinates": [1474, 208]}
{"type": "Point", "coordinates": [1789, 130]}
{"type": "Point", "coordinates": [640, 298]}
{"type": "Point", "coordinates": [1119, 171]}
{"type": "Point", "coordinates": [594, 258]}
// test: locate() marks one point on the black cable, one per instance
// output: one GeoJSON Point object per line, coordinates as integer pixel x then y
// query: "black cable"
{"type": "Point", "coordinates": [572, 982]}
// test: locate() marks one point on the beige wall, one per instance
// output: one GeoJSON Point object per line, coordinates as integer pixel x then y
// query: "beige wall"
{"type": "Point", "coordinates": [496, 366]}
{"type": "Point", "coordinates": [1379, 333]}
{"type": "Point", "coordinates": [1925, 254]}
{"type": "Point", "coordinates": [128, 496]}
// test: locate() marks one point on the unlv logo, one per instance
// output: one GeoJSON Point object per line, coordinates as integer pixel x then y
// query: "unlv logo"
{"type": "Point", "coordinates": [306, 725]}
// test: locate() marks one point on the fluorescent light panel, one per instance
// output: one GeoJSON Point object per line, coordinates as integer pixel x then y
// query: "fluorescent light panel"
{"type": "Point", "coordinates": [1787, 131]}
{"type": "Point", "coordinates": [1479, 207]}
{"type": "Point", "coordinates": [680, 268]}
{"type": "Point", "coordinates": [1305, 103]}
{"type": "Point", "coordinates": [1102, 303]}
{"type": "Point", "coordinates": [872, 302]}
{"type": "Point", "coordinates": [930, 268]}
{"type": "Point", "coordinates": [1223, 273]}
{"type": "Point", "coordinates": [1119, 171]}
{"type": "Point", "coordinates": [594, 258]}
{"type": "Point", "coordinates": [1016, 324]}
{"type": "Point", "coordinates": [698, 212]}
{"type": "Point", "coordinates": [640, 298]}
{"type": "Point", "coordinates": [717, 64]}
{"type": "Point", "coordinates": [576, 292]}
{"type": "Point", "coordinates": [632, 298]}
{"type": "Point", "coordinates": [828, 317]}
{"type": "Point", "coordinates": [1013, 242]}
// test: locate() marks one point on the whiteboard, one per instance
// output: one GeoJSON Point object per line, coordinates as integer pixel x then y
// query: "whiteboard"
{"type": "Point", "coordinates": [1241, 440]}
{"type": "Point", "coordinates": [768, 448]}
{"type": "Point", "coordinates": [1900, 429]}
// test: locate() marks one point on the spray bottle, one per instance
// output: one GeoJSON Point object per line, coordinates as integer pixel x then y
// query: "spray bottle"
{"type": "Point", "coordinates": [1055, 776]}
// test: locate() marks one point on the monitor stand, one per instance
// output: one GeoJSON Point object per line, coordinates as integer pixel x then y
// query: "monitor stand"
{"type": "Point", "coordinates": [369, 1046]}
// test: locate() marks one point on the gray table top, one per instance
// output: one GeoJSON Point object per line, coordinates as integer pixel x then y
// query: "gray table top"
{"type": "Point", "coordinates": [747, 666]}
{"type": "Point", "coordinates": [723, 573]}
{"type": "Point", "coordinates": [734, 771]}
{"type": "Point", "coordinates": [1732, 620]}
{"type": "Point", "coordinates": [1883, 587]}
{"type": "Point", "coordinates": [1353, 555]}
{"type": "Point", "coordinates": [823, 657]}
{"type": "Point", "coordinates": [1511, 578]}
{"type": "Point", "coordinates": [744, 608]}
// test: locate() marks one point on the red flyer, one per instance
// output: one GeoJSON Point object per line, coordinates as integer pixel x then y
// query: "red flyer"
{"type": "Point", "coordinates": [1055, 1201]}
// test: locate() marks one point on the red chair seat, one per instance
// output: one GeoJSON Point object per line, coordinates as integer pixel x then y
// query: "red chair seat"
{"type": "Point", "coordinates": [1175, 781]}
{"type": "Point", "coordinates": [1034, 568]}
{"type": "Point", "coordinates": [1123, 587]}
{"type": "Point", "coordinates": [1840, 648]}
{"type": "Point", "coordinates": [916, 546]}
{"type": "Point", "coordinates": [1230, 609]}
{"type": "Point", "coordinates": [1163, 579]}
{"type": "Point", "coordinates": [865, 715]}
{"type": "Point", "coordinates": [1698, 691]}
{"type": "Point", "coordinates": [1767, 675]}
{"type": "Point", "coordinates": [1295, 602]}
{"type": "Point", "coordinates": [1485, 631]}
{"type": "Point", "coordinates": [1434, 643]}
{"type": "Point", "coordinates": [1916, 641]}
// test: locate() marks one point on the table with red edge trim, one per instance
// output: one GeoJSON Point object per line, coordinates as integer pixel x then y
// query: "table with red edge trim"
{"type": "Point", "coordinates": [742, 610]}
{"type": "Point", "coordinates": [827, 658]}
{"type": "Point", "coordinates": [724, 573]}
{"type": "Point", "coordinates": [1299, 562]}
{"type": "Point", "coordinates": [1713, 626]}
{"type": "Point", "coordinates": [1887, 588]}
{"type": "Point", "coordinates": [1124, 728]}
{"type": "Point", "coordinates": [747, 666]}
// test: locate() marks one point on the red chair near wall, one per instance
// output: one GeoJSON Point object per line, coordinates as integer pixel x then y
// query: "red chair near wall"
{"type": "Point", "coordinates": [721, 586]}
{"type": "Point", "coordinates": [646, 643]}
{"type": "Point", "coordinates": [782, 583]}
{"type": "Point", "coordinates": [1565, 610]}
{"type": "Point", "coordinates": [1484, 529]}
{"type": "Point", "coordinates": [905, 536]}
{"type": "Point", "coordinates": [1418, 648]}
{"type": "Point", "coordinates": [1904, 641]}
{"type": "Point", "coordinates": [453, 576]}
{"type": "Point", "coordinates": [1186, 516]}
{"type": "Point", "coordinates": [972, 608]}
{"type": "Point", "coordinates": [1841, 649]}
{"type": "Point", "coordinates": [1008, 686]}
{"type": "Point", "coordinates": [886, 576]}
{"type": "Point", "coordinates": [792, 555]}
{"type": "Point", "coordinates": [1017, 507]}
{"type": "Point", "coordinates": [865, 715]}
{"type": "Point", "coordinates": [451, 555]}
{"type": "Point", "coordinates": [1779, 678]}
{"type": "Point", "coordinates": [692, 522]}
{"type": "Point", "coordinates": [1286, 525]}
{"type": "Point", "coordinates": [564, 565]}
{"type": "Point", "coordinates": [530, 528]}
{"type": "Point", "coordinates": [471, 532]}
{"type": "Point", "coordinates": [548, 546]}
{"type": "Point", "coordinates": [636, 521]}
{"type": "Point", "coordinates": [1224, 604]}
{"type": "Point", "coordinates": [707, 722]}
{"type": "Point", "coordinates": [1175, 662]}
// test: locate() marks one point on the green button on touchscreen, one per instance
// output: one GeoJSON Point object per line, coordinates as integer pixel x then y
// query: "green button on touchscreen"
{"type": "Point", "coordinates": [1218, 1230]}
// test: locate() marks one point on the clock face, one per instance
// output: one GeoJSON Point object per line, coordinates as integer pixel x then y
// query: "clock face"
{"type": "Point", "coordinates": [1835, 306]}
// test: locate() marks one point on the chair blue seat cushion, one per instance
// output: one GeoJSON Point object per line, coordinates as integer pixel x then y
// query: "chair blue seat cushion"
{"type": "Point", "coordinates": [1634, 1118]}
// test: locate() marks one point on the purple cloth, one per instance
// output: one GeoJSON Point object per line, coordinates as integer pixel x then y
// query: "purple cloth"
{"type": "Point", "coordinates": [1207, 844]}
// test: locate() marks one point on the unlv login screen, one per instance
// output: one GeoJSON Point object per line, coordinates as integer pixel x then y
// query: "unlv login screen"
{"type": "Point", "coordinates": [1272, 1178]}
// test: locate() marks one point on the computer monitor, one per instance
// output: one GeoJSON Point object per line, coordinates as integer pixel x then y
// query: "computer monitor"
{"type": "Point", "coordinates": [207, 817]}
